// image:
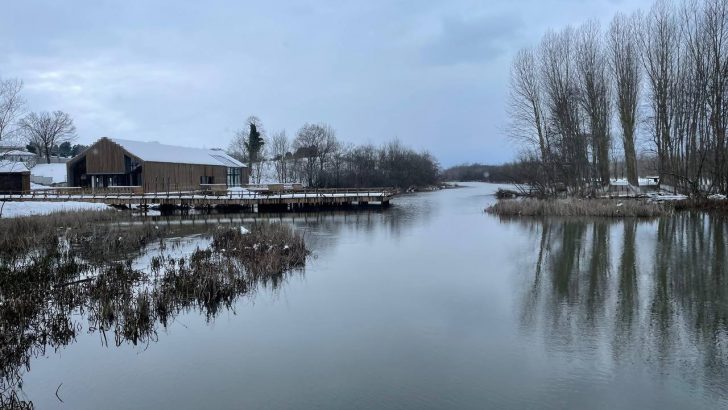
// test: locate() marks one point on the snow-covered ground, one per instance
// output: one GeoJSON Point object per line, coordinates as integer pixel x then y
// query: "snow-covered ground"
{"type": "Point", "coordinates": [51, 173]}
{"type": "Point", "coordinates": [642, 182]}
{"type": "Point", "coordinates": [16, 209]}
{"type": "Point", "coordinates": [34, 186]}
{"type": "Point", "coordinates": [663, 196]}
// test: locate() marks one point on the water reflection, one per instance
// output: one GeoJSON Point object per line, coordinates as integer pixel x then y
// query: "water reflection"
{"type": "Point", "coordinates": [67, 295]}
{"type": "Point", "coordinates": [127, 298]}
{"type": "Point", "coordinates": [654, 292]}
{"type": "Point", "coordinates": [395, 220]}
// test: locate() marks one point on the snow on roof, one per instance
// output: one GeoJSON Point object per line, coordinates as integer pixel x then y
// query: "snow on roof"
{"type": "Point", "coordinates": [8, 147]}
{"type": "Point", "coordinates": [57, 172]}
{"type": "Point", "coordinates": [11, 167]}
{"type": "Point", "coordinates": [156, 152]}
{"type": "Point", "coordinates": [18, 153]}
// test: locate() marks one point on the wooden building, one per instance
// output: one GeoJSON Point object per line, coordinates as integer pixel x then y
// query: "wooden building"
{"type": "Point", "coordinates": [153, 167]}
{"type": "Point", "coordinates": [14, 177]}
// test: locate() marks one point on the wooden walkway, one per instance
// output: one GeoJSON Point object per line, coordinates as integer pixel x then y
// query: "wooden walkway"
{"type": "Point", "coordinates": [280, 200]}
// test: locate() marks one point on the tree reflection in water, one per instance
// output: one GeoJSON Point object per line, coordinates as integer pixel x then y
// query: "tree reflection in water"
{"type": "Point", "coordinates": [654, 291]}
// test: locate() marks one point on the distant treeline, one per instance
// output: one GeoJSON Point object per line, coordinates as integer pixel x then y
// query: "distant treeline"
{"type": "Point", "coordinates": [391, 164]}
{"type": "Point", "coordinates": [317, 158]}
{"type": "Point", "coordinates": [65, 149]}
{"type": "Point", "coordinates": [514, 172]}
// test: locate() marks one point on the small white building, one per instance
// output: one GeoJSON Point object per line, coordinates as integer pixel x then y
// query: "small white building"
{"type": "Point", "coordinates": [17, 155]}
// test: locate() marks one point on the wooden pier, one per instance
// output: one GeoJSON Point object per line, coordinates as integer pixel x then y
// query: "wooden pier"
{"type": "Point", "coordinates": [254, 200]}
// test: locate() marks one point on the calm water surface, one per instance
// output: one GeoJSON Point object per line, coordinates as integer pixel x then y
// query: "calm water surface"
{"type": "Point", "coordinates": [433, 304]}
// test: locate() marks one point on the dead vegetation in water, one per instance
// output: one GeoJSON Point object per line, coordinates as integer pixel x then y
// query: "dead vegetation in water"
{"type": "Point", "coordinates": [97, 236]}
{"type": "Point", "coordinates": [47, 280]}
{"type": "Point", "coordinates": [266, 249]}
{"type": "Point", "coordinates": [611, 208]}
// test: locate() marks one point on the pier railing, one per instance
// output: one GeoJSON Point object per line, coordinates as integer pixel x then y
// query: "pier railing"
{"type": "Point", "coordinates": [132, 193]}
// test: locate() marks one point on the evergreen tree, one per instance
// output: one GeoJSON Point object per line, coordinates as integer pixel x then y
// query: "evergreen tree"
{"type": "Point", "coordinates": [64, 150]}
{"type": "Point", "coordinates": [254, 144]}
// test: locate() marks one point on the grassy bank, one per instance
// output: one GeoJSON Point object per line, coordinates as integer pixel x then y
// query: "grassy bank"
{"type": "Point", "coordinates": [579, 207]}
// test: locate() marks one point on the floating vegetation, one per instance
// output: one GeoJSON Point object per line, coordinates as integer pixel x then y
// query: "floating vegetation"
{"type": "Point", "coordinates": [65, 274]}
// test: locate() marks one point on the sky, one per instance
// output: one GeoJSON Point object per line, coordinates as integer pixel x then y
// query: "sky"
{"type": "Point", "coordinates": [433, 74]}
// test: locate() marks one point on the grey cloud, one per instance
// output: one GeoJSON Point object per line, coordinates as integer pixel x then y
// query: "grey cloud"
{"type": "Point", "coordinates": [473, 40]}
{"type": "Point", "coordinates": [429, 72]}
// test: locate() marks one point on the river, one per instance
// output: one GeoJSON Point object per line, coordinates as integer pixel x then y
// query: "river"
{"type": "Point", "coordinates": [433, 304]}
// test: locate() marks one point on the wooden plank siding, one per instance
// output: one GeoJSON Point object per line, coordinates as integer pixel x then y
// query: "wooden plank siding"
{"type": "Point", "coordinates": [166, 176]}
{"type": "Point", "coordinates": [13, 182]}
{"type": "Point", "coordinates": [105, 157]}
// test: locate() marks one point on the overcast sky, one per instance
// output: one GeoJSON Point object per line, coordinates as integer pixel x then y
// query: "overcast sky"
{"type": "Point", "coordinates": [432, 73]}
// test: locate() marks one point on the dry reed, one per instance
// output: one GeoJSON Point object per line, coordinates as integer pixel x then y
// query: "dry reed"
{"type": "Point", "coordinates": [579, 207]}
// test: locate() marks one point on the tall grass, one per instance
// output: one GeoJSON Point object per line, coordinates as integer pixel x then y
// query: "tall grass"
{"type": "Point", "coordinates": [579, 207]}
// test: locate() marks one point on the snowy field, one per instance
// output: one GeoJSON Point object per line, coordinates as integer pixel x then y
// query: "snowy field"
{"type": "Point", "coordinates": [16, 209]}
{"type": "Point", "coordinates": [53, 173]}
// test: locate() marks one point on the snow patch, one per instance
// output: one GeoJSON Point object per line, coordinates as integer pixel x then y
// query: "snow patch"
{"type": "Point", "coordinates": [16, 209]}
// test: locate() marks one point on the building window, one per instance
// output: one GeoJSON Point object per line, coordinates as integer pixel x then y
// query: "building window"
{"type": "Point", "coordinates": [233, 177]}
{"type": "Point", "coordinates": [206, 180]}
{"type": "Point", "coordinates": [130, 164]}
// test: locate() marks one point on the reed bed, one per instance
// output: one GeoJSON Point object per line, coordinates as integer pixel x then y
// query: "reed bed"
{"type": "Point", "coordinates": [610, 208]}
{"type": "Point", "coordinates": [54, 266]}
{"type": "Point", "coordinates": [97, 234]}
{"type": "Point", "coordinates": [715, 206]}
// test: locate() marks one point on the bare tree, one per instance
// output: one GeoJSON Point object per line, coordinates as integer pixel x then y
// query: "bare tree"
{"type": "Point", "coordinates": [659, 39]}
{"type": "Point", "coordinates": [592, 70]}
{"type": "Point", "coordinates": [684, 54]}
{"type": "Point", "coordinates": [624, 62]}
{"type": "Point", "coordinates": [562, 106]}
{"type": "Point", "coordinates": [45, 130]}
{"type": "Point", "coordinates": [12, 105]}
{"type": "Point", "coordinates": [313, 146]}
{"type": "Point", "coordinates": [525, 103]}
{"type": "Point", "coordinates": [692, 131]}
{"type": "Point", "coordinates": [716, 37]}
{"type": "Point", "coordinates": [238, 147]}
{"type": "Point", "coordinates": [280, 151]}
{"type": "Point", "coordinates": [258, 167]}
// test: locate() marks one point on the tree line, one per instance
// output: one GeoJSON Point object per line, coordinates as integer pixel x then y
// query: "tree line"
{"type": "Point", "coordinates": [581, 98]}
{"type": "Point", "coordinates": [317, 158]}
{"type": "Point", "coordinates": [44, 133]}
{"type": "Point", "coordinates": [510, 173]}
